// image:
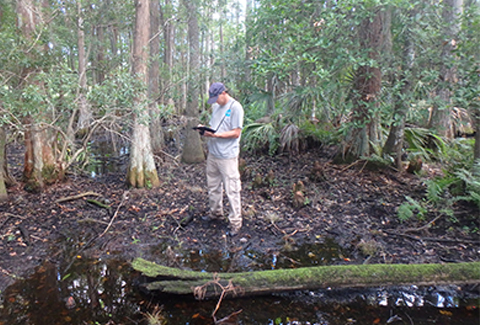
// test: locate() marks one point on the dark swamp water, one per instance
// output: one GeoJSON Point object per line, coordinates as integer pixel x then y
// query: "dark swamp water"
{"type": "Point", "coordinates": [105, 291]}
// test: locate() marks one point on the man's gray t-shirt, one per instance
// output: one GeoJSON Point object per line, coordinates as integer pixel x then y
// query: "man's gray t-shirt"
{"type": "Point", "coordinates": [233, 113]}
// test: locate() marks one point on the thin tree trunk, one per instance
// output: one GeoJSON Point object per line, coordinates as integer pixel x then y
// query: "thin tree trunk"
{"type": "Point", "coordinates": [223, 72]}
{"type": "Point", "coordinates": [248, 41]}
{"type": "Point", "coordinates": [154, 78]}
{"type": "Point", "coordinates": [208, 285]}
{"type": "Point", "coordinates": [441, 118]}
{"type": "Point", "coordinates": [394, 144]}
{"type": "Point", "coordinates": [192, 150]}
{"type": "Point", "coordinates": [141, 171]}
{"type": "Point", "coordinates": [84, 112]}
{"type": "Point", "coordinates": [168, 31]}
{"type": "Point", "coordinates": [476, 118]}
{"type": "Point", "coordinates": [100, 50]}
{"type": "Point", "coordinates": [4, 177]}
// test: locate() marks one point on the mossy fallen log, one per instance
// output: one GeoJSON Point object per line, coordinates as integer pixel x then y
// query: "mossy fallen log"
{"type": "Point", "coordinates": [208, 285]}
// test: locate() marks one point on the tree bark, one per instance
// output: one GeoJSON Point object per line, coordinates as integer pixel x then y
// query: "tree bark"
{"type": "Point", "coordinates": [100, 53]}
{"type": "Point", "coordinates": [84, 112]}
{"type": "Point", "coordinates": [4, 176]}
{"type": "Point", "coordinates": [207, 285]}
{"type": "Point", "coordinates": [166, 14]}
{"type": "Point", "coordinates": [476, 118]}
{"type": "Point", "coordinates": [394, 144]}
{"type": "Point", "coordinates": [193, 149]}
{"type": "Point", "coordinates": [367, 83]}
{"type": "Point", "coordinates": [141, 170]}
{"type": "Point", "coordinates": [154, 78]}
{"type": "Point", "coordinates": [40, 164]}
{"type": "Point", "coordinates": [248, 41]}
{"type": "Point", "coordinates": [441, 118]}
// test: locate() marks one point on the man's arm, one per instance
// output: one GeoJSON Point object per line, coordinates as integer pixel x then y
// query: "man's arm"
{"type": "Point", "coordinates": [232, 134]}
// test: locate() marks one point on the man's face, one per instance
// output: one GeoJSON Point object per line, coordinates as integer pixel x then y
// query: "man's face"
{"type": "Point", "coordinates": [222, 99]}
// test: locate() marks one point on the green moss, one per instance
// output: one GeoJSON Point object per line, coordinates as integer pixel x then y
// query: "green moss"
{"type": "Point", "coordinates": [183, 282]}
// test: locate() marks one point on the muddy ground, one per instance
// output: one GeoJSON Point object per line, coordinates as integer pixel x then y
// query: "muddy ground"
{"type": "Point", "coordinates": [352, 205]}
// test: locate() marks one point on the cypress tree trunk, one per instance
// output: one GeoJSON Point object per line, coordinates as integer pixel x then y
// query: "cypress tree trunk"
{"type": "Point", "coordinates": [40, 164]}
{"type": "Point", "coordinates": [141, 171]}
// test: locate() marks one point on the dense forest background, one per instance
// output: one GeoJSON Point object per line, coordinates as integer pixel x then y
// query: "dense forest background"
{"type": "Point", "coordinates": [392, 82]}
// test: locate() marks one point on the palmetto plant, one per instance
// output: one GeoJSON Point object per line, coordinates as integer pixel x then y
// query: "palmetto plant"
{"type": "Point", "coordinates": [290, 138]}
{"type": "Point", "coordinates": [260, 137]}
{"type": "Point", "coordinates": [425, 143]}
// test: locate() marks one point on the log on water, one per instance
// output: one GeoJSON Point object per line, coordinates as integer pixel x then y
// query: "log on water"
{"type": "Point", "coordinates": [208, 285]}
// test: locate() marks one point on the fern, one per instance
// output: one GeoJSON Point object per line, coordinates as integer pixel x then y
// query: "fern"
{"type": "Point", "coordinates": [471, 182]}
{"type": "Point", "coordinates": [404, 212]}
{"type": "Point", "coordinates": [410, 208]}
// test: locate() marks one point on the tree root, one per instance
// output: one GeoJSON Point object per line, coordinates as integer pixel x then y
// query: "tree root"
{"type": "Point", "coordinates": [200, 292]}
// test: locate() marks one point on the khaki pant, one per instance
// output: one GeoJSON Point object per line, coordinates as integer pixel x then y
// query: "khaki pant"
{"type": "Point", "coordinates": [224, 172]}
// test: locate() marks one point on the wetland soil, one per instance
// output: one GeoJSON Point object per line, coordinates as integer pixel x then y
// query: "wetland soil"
{"type": "Point", "coordinates": [351, 205]}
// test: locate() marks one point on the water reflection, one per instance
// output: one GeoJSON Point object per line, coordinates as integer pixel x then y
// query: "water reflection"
{"type": "Point", "coordinates": [326, 253]}
{"type": "Point", "coordinates": [101, 292]}
{"type": "Point", "coordinates": [107, 156]}
{"type": "Point", "coordinates": [92, 290]}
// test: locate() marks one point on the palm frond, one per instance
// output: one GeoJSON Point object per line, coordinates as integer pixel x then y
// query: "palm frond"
{"type": "Point", "coordinates": [260, 136]}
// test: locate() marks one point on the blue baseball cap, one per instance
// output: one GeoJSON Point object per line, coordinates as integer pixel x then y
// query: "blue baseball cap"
{"type": "Point", "coordinates": [215, 90]}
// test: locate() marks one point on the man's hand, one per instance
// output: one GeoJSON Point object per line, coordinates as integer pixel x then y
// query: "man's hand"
{"type": "Point", "coordinates": [209, 134]}
{"type": "Point", "coordinates": [232, 134]}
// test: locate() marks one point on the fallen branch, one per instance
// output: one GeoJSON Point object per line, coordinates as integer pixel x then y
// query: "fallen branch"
{"type": "Point", "coordinates": [9, 216]}
{"type": "Point", "coordinates": [351, 165]}
{"type": "Point", "coordinates": [87, 220]}
{"type": "Point", "coordinates": [440, 240]}
{"type": "Point", "coordinates": [423, 227]}
{"type": "Point", "coordinates": [182, 223]}
{"type": "Point", "coordinates": [124, 197]}
{"type": "Point", "coordinates": [98, 203]}
{"type": "Point", "coordinates": [76, 197]}
{"type": "Point", "coordinates": [183, 282]}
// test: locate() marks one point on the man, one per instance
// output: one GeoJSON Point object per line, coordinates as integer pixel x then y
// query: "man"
{"type": "Point", "coordinates": [223, 151]}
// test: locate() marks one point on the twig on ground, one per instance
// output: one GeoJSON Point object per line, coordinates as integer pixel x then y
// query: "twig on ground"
{"type": "Point", "coordinates": [99, 204]}
{"type": "Point", "coordinates": [423, 227]}
{"type": "Point", "coordinates": [9, 216]}
{"type": "Point", "coordinates": [351, 165]}
{"type": "Point", "coordinates": [124, 197]}
{"type": "Point", "coordinates": [76, 197]}
{"type": "Point", "coordinates": [365, 164]}
{"type": "Point", "coordinates": [442, 240]}
{"type": "Point", "coordinates": [179, 224]}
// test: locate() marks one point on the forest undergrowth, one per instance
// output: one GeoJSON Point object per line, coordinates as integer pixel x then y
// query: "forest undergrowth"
{"type": "Point", "coordinates": [289, 201]}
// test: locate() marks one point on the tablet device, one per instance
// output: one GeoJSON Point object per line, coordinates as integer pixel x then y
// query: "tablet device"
{"type": "Point", "coordinates": [204, 128]}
